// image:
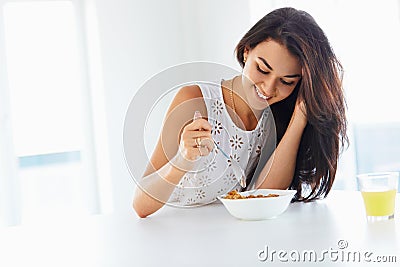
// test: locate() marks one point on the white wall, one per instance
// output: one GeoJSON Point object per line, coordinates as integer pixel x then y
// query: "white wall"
{"type": "Point", "coordinates": [138, 39]}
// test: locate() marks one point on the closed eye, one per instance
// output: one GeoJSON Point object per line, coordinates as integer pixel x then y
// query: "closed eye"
{"type": "Point", "coordinates": [286, 83]}
{"type": "Point", "coordinates": [260, 70]}
{"type": "Point", "coordinates": [267, 72]}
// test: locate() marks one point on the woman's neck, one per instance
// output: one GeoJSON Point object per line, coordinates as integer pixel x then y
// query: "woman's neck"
{"type": "Point", "coordinates": [243, 116]}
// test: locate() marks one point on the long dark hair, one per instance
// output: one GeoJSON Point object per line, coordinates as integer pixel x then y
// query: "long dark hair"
{"type": "Point", "coordinates": [321, 90]}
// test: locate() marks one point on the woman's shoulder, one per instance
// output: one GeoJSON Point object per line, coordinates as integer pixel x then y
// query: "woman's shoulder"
{"type": "Point", "coordinates": [188, 92]}
{"type": "Point", "coordinates": [194, 96]}
{"type": "Point", "coordinates": [200, 89]}
{"type": "Point", "coordinates": [188, 99]}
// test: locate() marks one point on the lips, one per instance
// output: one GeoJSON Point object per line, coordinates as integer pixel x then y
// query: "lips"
{"type": "Point", "coordinates": [261, 95]}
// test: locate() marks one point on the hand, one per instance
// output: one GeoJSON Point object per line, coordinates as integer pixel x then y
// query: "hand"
{"type": "Point", "coordinates": [300, 114]}
{"type": "Point", "coordinates": [301, 106]}
{"type": "Point", "coordinates": [196, 140]}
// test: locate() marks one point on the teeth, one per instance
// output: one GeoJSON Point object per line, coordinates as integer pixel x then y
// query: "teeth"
{"type": "Point", "coordinates": [261, 94]}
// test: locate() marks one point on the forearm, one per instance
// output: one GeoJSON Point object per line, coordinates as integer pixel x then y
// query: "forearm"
{"type": "Point", "coordinates": [279, 169]}
{"type": "Point", "coordinates": [155, 189]}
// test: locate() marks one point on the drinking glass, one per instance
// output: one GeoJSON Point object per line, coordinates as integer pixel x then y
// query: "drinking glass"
{"type": "Point", "coordinates": [379, 193]}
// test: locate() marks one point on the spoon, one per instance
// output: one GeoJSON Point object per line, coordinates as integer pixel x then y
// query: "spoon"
{"type": "Point", "coordinates": [242, 179]}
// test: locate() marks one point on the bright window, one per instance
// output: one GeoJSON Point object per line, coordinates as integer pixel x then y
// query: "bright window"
{"type": "Point", "coordinates": [43, 75]}
{"type": "Point", "coordinates": [48, 113]}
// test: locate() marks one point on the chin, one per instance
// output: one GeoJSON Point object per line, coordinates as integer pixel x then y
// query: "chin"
{"type": "Point", "coordinates": [255, 104]}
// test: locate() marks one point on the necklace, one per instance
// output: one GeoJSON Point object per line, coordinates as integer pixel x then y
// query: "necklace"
{"type": "Point", "coordinates": [231, 93]}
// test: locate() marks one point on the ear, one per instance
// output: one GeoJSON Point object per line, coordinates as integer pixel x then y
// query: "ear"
{"type": "Point", "coordinates": [245, 52]}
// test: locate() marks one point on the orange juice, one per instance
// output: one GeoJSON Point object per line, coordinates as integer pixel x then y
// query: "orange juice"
{"type": "Point", "coordinates": [379, 203]}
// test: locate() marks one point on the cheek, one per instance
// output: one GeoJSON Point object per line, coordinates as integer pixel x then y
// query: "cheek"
{"type": "Point", "coordinates": [285, 92]}
{"type": "Point", "coordinates": [247, 77]}
{"type": "Point", "coordinates": [253, 76]}
{"type": "Point", "coordinates": [288, 90]}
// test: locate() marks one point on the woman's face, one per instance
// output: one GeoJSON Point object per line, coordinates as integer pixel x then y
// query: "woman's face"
{"type": "Point", "coordinates": [270, 74]}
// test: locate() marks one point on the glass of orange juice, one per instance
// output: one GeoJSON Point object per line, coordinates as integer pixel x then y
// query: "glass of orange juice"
{"type": "Point", "coordinates": [379, 193]}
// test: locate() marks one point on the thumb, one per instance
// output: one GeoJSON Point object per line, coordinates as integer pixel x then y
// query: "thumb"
{"type": "Point", "coordinates": [197, 115]}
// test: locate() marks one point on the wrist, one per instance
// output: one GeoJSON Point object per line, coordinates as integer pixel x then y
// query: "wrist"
{"type": "Point", "coordinates": [299, 119]}
{"type": "Point", "coordinates": [300, 113]}
{"type": "Point", "coordinates": [181, 163]}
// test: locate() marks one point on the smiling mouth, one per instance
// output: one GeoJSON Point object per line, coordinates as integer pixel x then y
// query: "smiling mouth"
{"type": "Point", "coordinates": [261, 95]}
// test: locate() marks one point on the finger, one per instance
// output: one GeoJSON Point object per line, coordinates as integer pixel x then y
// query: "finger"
{"type": "Point", "coordinates": [301, 106]}
{"type": "Point", "coordinates": [201, 134]}
{"type": "Point", "coordinates": [188, 141]}
{"type": "Point", "coordinates": [193, 153]}
{"type": "Point", "coordinates": [197, 115]}
{"type": "Point", "coordinates": [190, 136]}
{"type": "Point", "coordinates": [207, 143]}
{"type": "Point", "coordinates": [199, 125]}
{"type": "Point", "coordinates": [202, 140]}
{"type": "Point", "coordinates": [194, 141]}
{"type": "Point", "coordinates": [203, 151]}
{"type": "Point", "coordinates": [197, 141]}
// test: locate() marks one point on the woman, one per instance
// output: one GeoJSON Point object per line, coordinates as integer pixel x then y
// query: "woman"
{"type": "Point", "coordinates": [289, 69]}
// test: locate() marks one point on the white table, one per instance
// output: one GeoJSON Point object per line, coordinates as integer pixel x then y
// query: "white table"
{"type": "Point", "coordinates": [206, 236]}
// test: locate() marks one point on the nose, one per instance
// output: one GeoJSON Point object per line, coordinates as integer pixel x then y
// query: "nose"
{"type": "Point", "coordinates": [269, 87]}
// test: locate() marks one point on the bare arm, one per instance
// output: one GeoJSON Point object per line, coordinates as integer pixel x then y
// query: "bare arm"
{"type": "Point", "coordinates": [174, 153]}
{"type": "Point", "coordinates": [279, 169]}
{"type": "Point", "coordinates": [156, 187]}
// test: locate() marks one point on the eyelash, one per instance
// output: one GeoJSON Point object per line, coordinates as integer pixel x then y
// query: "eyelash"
{"type": "Point", "coordinates": [265, 73]}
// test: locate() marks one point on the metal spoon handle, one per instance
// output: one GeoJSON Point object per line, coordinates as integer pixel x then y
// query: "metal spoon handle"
{"type": "Point", "coordinates": [242, 179]}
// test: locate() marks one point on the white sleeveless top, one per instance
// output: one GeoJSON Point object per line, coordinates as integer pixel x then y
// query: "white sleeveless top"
{"type": "Point", "coordinates": [214, 175]}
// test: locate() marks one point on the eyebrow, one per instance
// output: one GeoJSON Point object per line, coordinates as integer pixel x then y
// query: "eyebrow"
{"type": "Point", "coordinates": [269, 67]}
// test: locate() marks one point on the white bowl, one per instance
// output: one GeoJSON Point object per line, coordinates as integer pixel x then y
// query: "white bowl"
{"type": "Point", "coordinates": [259, 208]}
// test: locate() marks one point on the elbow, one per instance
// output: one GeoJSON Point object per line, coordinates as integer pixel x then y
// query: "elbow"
{"type": "Point", "coordinates": [144, 205]}
{"type": "Point", "coordinates": [140, 212]}
{"type": "Point", "coordinates": [139, 209]}
{"type": "Point", "coordinates": [138, 204]}
{"type": "Point", "coordinates": [280, 184]}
